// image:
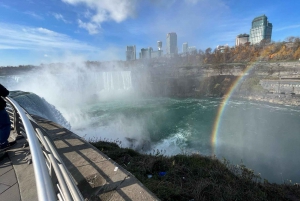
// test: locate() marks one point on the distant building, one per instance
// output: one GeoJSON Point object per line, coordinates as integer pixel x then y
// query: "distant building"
{"type": "Point", "coordinates": [159, 52]}
{"type": "Point", "coordinates": [222, 48]}
{"type": "Point", "coordinates": [156, 54]}
{"type": "Point", "coordinates": [241, 39]}
{"type": "Point", "coordinates": [171, 44]}
{"type": "Point", "coordinates": [130, 53]}
{"type": "Point", "coordinates": [185, 47]}
{"type": "Point", "coordinates": [146, 53]}
{"type": "Point", "coordinates": [159, 45]}
{"type": "Point", "coordinates": [192, 50]}
{"type": "Point", "coordinates": [261, 30]}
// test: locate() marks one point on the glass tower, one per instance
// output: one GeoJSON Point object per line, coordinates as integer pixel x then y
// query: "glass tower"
{"type": "Point", "coordinates": [130, 53]}
{"type": "Point", "coordinates": [261, 30]}
{"type": "Point", "coordinates": [171, 44]}
{"type": "Point", "coordinates": [185, 47]}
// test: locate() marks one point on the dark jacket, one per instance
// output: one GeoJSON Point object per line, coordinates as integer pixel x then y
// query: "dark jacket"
{"type": "Point", "coordinates": [3, 92]}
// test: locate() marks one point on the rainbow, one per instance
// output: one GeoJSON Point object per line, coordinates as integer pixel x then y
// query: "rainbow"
{"type": "Point", "coordinates": [221, 109]}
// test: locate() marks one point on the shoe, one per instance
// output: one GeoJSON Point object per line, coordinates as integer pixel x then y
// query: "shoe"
{"type": "Point", "coordinates": [3, 155]}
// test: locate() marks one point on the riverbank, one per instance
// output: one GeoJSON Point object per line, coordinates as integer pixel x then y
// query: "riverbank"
{"type": "Point", "coordinates": [196, 177]}
{"type": "Point", "coordinates": [280, 99]}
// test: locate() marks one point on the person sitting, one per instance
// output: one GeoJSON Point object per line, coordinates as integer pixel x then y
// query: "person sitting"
{"type": "Point", "coordinates": [4, 120]}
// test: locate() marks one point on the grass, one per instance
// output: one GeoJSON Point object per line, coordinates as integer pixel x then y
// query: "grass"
{"type": "Point", "coordinates": [196, 177]}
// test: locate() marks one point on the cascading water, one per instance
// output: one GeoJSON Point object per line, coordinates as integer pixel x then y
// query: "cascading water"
{"type": "Point", "coordinates": [119, 80]}
{"type": "Point", "coordinates": [39, 106]}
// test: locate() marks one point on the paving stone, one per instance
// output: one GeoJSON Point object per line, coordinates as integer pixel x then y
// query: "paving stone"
{"type": "Point", "coordinates": [11, 194]}
{"type": "Point", "coordinates": [5, 165]}
{"type": "Point", "coordinates": [8, 178]}
{"type": "Point", "coordinates": [3, 188]}
{"type": "Point", "coordinates": [24, 174]}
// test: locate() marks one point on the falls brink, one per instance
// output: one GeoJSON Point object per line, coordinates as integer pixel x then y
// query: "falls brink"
{"type": "Point", "coordinates": [36, 105]}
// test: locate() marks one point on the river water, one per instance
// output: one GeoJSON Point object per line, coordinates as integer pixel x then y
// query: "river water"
{"type": "Point", "coordinates": [262, 136]}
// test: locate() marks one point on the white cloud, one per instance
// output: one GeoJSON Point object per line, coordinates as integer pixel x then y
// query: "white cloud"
{"type": "Point", "coordinates": [60, 17]}
{"type": "Point", "coordinates": [14, 36]}
{"type": "Point", "coordinates": [5, 6]}
{"type": "Point", "coordinates": [34, 15]}
{"type": "Point", "coordinates": [288, 27]}
{"type": "Point", "coordinates": [105, 10]}
{"type": "Point", "coordinates": [92, 28]}
{"type": "Point", "coordinates": [46, 31]}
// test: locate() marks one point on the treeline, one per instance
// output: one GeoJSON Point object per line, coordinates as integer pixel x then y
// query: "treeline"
{"type": "Point", "coordinates": [287, 50]}
{"type": "Point", "coordinates": [264, 51]}
{"type": "Point", "coordinates": [9, 70]}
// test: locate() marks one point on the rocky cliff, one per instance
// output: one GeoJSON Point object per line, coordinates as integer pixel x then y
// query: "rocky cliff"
{"type": "Point", "coordinates": [216, 80]}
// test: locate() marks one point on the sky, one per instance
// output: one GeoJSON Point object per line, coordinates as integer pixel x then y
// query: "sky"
{"type": "Point", "coordinates": [48, 31]}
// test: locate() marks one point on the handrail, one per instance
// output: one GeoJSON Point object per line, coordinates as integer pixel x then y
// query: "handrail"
{"type": "Point", "coordinates": [45, 161]}
{"type": "Point", "coordinates": [42, 178]}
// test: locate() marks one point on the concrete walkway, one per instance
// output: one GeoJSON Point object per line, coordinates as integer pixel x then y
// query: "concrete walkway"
{"type": "Point", "coordinates": [9, 187]}
{"type": "Point", "coordinates": [17, 181]}
{"type": "Point", "coordinates": [97, 176]}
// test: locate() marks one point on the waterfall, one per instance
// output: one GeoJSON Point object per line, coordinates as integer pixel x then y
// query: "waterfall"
{"type": "Point", "coordinates": [37, 105]}
{"type": "Point", "coordinates": [118, 80]}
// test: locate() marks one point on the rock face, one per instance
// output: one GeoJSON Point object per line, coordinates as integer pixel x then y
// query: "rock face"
{"type": "Point", "coordinates": [174, 78]}
{"type": "Point", "coordinates": [259, 83]}
{"type": "Point", "coordinates": [184, 81]}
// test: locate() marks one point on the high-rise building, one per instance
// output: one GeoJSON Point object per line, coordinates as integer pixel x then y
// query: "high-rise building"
{"type": "Point", "coordinates": [130, 53]}
{"type": "Point", "coordinates": [156, 54]}
{"type": "Point", "coordinates": [146, 53]}
{"type": "Point", "coordinates": [192, 50]}
{"type": "Point", "coordinates": [171, 44]}
{"type": "Point", "coordinates": [159, 45]}
{"type": "Point", "coordinates": [185, 47]}
{"type": "Point", "coordinates": [241, 39]}
{"type": "Point", "coordinates": [159, 52]}
{"type": "Point", "coordinates": [261, 30]}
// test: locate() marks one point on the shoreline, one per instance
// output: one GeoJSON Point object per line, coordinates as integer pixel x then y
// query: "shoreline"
{"type": "Point", "coordinates": [278, 99]}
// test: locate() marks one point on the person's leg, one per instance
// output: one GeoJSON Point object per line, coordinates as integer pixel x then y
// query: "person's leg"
{"type": "Point", "coordinates": [4, 135]}
{"type": "Point", "coordinates": [4, 128]}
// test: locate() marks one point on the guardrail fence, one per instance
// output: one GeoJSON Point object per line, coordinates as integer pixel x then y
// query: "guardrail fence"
{"type": "Point", "coordinates": [53, 180]}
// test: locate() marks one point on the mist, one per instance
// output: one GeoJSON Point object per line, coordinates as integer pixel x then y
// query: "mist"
{"type": "Point", "coordinates": [263, 137]}
{"type": "Point", "coordinates": [109, 103]}
{"type": "Point", "coordinates": [75, 89]}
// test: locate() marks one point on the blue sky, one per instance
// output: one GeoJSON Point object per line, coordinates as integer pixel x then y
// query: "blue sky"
{"type": "Point", "coordinates": [45, 31]}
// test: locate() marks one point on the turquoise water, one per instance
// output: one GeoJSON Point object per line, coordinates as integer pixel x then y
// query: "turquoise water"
{"type": "Point", "coordinates": [264, 137]}
{"type": "Point", "coordinates": [187, 124]}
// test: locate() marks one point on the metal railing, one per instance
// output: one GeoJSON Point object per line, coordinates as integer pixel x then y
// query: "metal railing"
{"type": "Point", "coordinates": [53, 180]}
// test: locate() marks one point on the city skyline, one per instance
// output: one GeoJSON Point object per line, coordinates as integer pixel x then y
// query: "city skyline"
{"type": "Point", "coordinates": [34, 32]}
